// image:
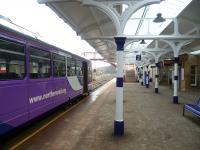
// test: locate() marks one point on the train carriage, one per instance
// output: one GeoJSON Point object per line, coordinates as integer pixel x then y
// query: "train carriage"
{"type": "Point", "coordinates": [36, 77]}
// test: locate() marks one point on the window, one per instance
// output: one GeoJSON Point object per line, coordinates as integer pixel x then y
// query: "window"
{"type": "Point", "coordinates": [79, 68]}
{"type": "Point", "coordinates": [193, 79]}
{"type": "Point", "coordinates": [39, 64]}
{"type": "Point", "coordinates": [71, 67]}
{"type": "Point", "coordinates": [12, 60]}
{"type": "Point", "coordinates": [59, 65]}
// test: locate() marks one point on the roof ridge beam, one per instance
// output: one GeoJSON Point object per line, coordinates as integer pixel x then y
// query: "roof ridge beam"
{"type": "Point", "coordinates": [54, 1]}
{"type": "Point", "coordinates": [150, 37]}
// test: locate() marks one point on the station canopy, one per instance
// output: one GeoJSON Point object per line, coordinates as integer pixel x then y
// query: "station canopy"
{"type": "Point", "coordinates": [91, 20]}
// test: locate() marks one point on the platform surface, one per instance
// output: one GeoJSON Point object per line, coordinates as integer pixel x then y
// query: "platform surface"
{"type": "Point", "coordinates": [152, 122]}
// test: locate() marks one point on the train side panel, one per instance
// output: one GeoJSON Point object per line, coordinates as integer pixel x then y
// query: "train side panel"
{"type": "Point", "coordinates": [62, 85]}
{"type": "Point", "coordinates": [75, 88]}
{"type": "Point", "coordinates": [39, 98]}
{"type": "Point", "coordinates": [13, 108]}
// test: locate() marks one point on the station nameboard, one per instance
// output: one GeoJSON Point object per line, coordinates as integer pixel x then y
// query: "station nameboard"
{"type": "Point", "coordinates": [168, 62]}
{"type": "Point", "coordinates": [138, 57]}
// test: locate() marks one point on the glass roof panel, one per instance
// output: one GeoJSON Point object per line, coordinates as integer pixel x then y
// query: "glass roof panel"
{"type": "Point", "coordinates": [168, 8]}
{"type": "Point", "coordinates": [132, 24]}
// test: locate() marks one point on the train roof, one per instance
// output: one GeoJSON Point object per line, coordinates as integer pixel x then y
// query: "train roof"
{"type": "Point", "coordinates": [35, 39]}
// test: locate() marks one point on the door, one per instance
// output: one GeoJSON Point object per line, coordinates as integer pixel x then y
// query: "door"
{"type": "Point", "coordinates": [85, 77]}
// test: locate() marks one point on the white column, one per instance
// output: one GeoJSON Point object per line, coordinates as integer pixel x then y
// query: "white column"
{"type": "Point", "coordinates": [156, 78]}
{"type": "Point", "coordinates": [175, 96]}
{"type": "Point", "coordinates": [119, 90]}
{"type": "Point", "coordinates": [119, 122]}
{"type": "Point", "coordinates": [141, 79]}
{"type": "Point", "coordinates": [144, 75]}
{"type": "Point", "coordinates": [147, 77]}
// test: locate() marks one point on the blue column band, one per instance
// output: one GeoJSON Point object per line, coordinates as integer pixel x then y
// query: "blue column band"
{"type": "Point", "coordinates": [119, 82]}
{"type": "Point", "coordinates": [175, 77]}
{"type": "Point", "coordinates": [157, 64]}
{"type": "Point", "coordinates": [176, 60]}
{"type": "Point", "coordinates": [119, 128]}
{"type": "Point", "coordinates": [120, 41]}
{"type": "Point", "coordinates": [175, 99]}
{"type": "Point", "coordinates": [156, 90]}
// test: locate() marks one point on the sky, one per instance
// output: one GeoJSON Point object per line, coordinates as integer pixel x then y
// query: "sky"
{"type": "Point", "coordinates": [38, 18]}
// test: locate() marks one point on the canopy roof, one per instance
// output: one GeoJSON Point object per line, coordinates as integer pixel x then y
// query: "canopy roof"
{"type": "Point", "coordinates": [107, 18]}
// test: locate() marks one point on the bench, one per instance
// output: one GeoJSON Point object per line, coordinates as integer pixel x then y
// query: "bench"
{"type": "Point", "coordinates": [194, 108]}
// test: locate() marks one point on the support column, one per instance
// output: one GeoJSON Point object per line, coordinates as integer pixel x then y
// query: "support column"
{"type": "Point", "coordinates": [175, 97]}
{"type": "Point", "coordinates": [138, 77]}
{"type": "Point", "coordinates": [141, 79]}
{"type": "Point", "coordinates": [144, 75]}
{"type": "Point", "coordinates": [119, 122]}
{"type": "Point", "coordinates": [156, 78]}
{"type": "Point", "coordinates": [147, 77]}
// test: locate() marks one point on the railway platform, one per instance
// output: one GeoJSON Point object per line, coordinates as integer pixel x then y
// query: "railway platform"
{"type": "Point", "coordinates": [152, 122]}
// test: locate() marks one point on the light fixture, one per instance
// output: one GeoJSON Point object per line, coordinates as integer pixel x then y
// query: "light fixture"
{"type": "Point", "coordinates": [196, 52]}
{"type": "Point", "coordinates": [143, 42]}
{"type": "Point", "coordinates": [159, 18]}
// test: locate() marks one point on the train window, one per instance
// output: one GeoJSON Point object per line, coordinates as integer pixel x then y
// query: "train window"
{"type": "Point", "coordinates": [12, 60]}
{"type": "Point", "coordinates": [59, 65]}
{"type": "Point", "coordinates": [40, 63]}
{"type": "Point", "coordinates": [71, 67]}
{"type": "Point", "coordinates": [79, 68]}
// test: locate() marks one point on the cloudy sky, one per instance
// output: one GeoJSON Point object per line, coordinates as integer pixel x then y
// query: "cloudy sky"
{"type": "Point", "coordinates": [39, 18]}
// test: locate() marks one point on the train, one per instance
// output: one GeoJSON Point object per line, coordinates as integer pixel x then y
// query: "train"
{"type": "Point", "coordinates": [36, 77]}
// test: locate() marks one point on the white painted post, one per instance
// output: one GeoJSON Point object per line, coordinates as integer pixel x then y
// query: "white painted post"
{"type": "Point", "coordinates": [141, 79]}
{"type": "Point", "coordinates": [144, 75]}
{"type": "Point", "coordinates": [147, 77]}
{"type": "Point", "coordinates": [156, 78]}
{"type": "Point", "coordinates": [175, 96]}
{"type": "Point", "coordinates": [119, 122]}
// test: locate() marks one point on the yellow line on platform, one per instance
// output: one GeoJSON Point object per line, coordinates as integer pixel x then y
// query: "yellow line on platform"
{"type": "Point", "coordinates": [43, 127]}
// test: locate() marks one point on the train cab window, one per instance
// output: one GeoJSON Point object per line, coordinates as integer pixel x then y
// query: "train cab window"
{"type": "Point", "coordinates": [71, 67]}
{"type": "Point", "coordinates": [79, 68]}
{"type": "Point", "coordinates": [12, 60]}
{"type": "Point", "coordinates": [40, 63]}
{"type": "Point", "coordinates": [59, 65]}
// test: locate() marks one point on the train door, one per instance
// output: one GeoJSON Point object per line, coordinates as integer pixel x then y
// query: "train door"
{"type": "Point", "coordinates": [85, 77]}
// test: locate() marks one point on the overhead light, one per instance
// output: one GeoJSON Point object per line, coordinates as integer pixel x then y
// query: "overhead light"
{"type": "Point", "coordinates": [143, 42]}
{"type": "Point", "coordinates": [159, 18]}
{"type": "Point", "coordinates": [195, 52]}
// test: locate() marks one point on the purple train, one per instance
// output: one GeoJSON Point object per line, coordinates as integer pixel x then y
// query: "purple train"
{"type": "Point", "coordinates": [36, 77]}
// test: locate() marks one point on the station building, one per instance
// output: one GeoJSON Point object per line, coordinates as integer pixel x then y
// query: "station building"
{"type": "Point", "coordinates": [153, 42]}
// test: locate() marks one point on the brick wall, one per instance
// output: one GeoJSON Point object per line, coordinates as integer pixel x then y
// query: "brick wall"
{"type": "Point", "coordinates": [187, 61]}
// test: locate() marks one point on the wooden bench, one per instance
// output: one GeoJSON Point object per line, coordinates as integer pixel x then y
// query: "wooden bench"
{"type": "Point", "coordinates": [194, 108]}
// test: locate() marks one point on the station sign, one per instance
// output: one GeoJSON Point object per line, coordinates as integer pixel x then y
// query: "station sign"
{"type": "Point", "coordinates": [138, 57]}
{"type": "Point", "coordinates": [168, 62]}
